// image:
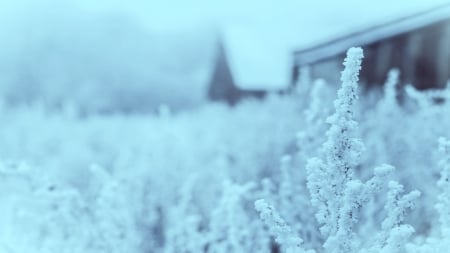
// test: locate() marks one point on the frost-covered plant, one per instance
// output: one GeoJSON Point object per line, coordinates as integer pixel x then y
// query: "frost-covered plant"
{"type": "Point", "coordinates": [389, 101]}
{"type": "Point", "coordinates": [183, 228]}
{"type": "Point", "coordinates": [318, 99]}
{"type": "Point", "coordinates": [288, 193]}
{"type": "Point", "coordinates": [335, 193]}
{"type": "Point", "coordinates": [116, 224]}
{"type": "Point", "coordinates": [431, 114]}
{"type": "Point", "coordinates": [394, 234]}
{"type": "Point", "coordinates": [419, 97]}
{"type": "Point", "coordinates": [378, 122]}
{"type": "Point", "coordinates": [292, 195]}
{"type": "Point", "coordinates": [311, 137]}
{"type": "Point", "coordinates": [330, 181]}
{"type": "Point", "coordinates": [61, 218]}
{"type": "Point", "coordinates": [439, 242]}
{"type": "Point", "coordinates": [231, 228]}
{"type": "Point", "coordinates": [283, 233]}
{"type": "Point", "coordinates": [427, 100]}
{"type": "Point", "coordinates": [303, 84]}
{"type": "Point", "coordinates": [443, 205]}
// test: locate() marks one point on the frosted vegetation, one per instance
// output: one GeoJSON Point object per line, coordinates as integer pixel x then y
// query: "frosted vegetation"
{"type": "Point", "coordinates": [294, 173]}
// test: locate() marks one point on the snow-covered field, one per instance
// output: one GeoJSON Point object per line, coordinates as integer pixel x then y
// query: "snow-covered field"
{"type": "Point", "coordinates": [198, 180]}
{"type": "Point", "coordinates": [108, 144]}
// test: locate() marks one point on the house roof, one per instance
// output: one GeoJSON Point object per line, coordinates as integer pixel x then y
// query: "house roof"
{"type": "Point", "coordinates": [260, 46]}
{"type": "Point", "coordinates": [331, 47]}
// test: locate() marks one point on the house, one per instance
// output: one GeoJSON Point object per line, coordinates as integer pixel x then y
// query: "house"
{"type": "Point", "coordinates": [417, 45]}
{"type": "Point", "coordinates": [260, 57]}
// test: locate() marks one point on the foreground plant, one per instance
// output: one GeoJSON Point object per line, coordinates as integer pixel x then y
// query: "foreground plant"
{"type": "Point", "coordinates": [336, 194]}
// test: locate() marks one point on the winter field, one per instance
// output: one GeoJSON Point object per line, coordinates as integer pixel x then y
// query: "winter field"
{"type": "Point", "coordinates": [108, 143]}
{"type": "Point", "coordinates": [293, 173]}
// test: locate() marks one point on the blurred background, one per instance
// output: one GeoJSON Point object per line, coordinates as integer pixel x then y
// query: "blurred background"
{"type": "Point", "coordinates": [133, 56]}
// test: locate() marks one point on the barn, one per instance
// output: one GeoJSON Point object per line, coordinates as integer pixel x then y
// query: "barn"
{"type": "Point", "coordinates": [415, 38]}
{"type": "Point", "coordinates": [417, 45]}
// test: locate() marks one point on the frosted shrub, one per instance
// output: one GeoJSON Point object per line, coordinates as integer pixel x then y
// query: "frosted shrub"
{"type": "Point", "coordinates": [51, 214]}
{"type": "Point", "coordinates": [283, 233]}
{"type": "Point", "coordinates": [443, 205]}
{"type": "Point", "coordinates": [288, 193]}
{"type": "Point", "coordinates": [327, 180]}
{"type": "Point", "coordinates": [431, 114]}
{"type": "Point", "coordinates": [382, 135]}
{"type": "Point", "coordinates": [303, 84]}
{"type": "Point", "coordinates": [318, 101]}
{"type": "Point", "coordinates": [291, 196]}
{"type": "Point", "coordinates": [116, 224]}
{"type": "Point", "coordinates": [337, 196]}
{"type": "Point", "coordinates": [335, 193]}
{"type": "Point", "coordinates": [231, 228]}
{"type": "Point", "coordinates": [60, 218]}
{"type": "Point", "coordinates": [310, 138]}
{"type": "Point", "coordinates": [390, 93]}
{"type": "Point", "coordinates": [388, 104]}
{"type": "Point", "coordinates": [183, 232]}
{"type": "Point", "coordinates": [395, 234]}
{"type": "Point", "coordinates": [422, 100]}
{"type": "Point", "coordinates": [439, 242]}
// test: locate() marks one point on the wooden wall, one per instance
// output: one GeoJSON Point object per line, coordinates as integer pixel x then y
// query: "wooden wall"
{"type": "Point", "coordinates": [422, 56]}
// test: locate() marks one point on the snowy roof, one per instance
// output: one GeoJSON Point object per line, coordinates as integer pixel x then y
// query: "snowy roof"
{"type": "Point", "coordinates": [367, 35]}
{"type": "Point", "coordinates": [260, 47]}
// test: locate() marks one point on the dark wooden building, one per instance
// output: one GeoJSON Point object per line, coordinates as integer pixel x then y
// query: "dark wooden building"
{"type": "Point", "coordinates": [417, 45]}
